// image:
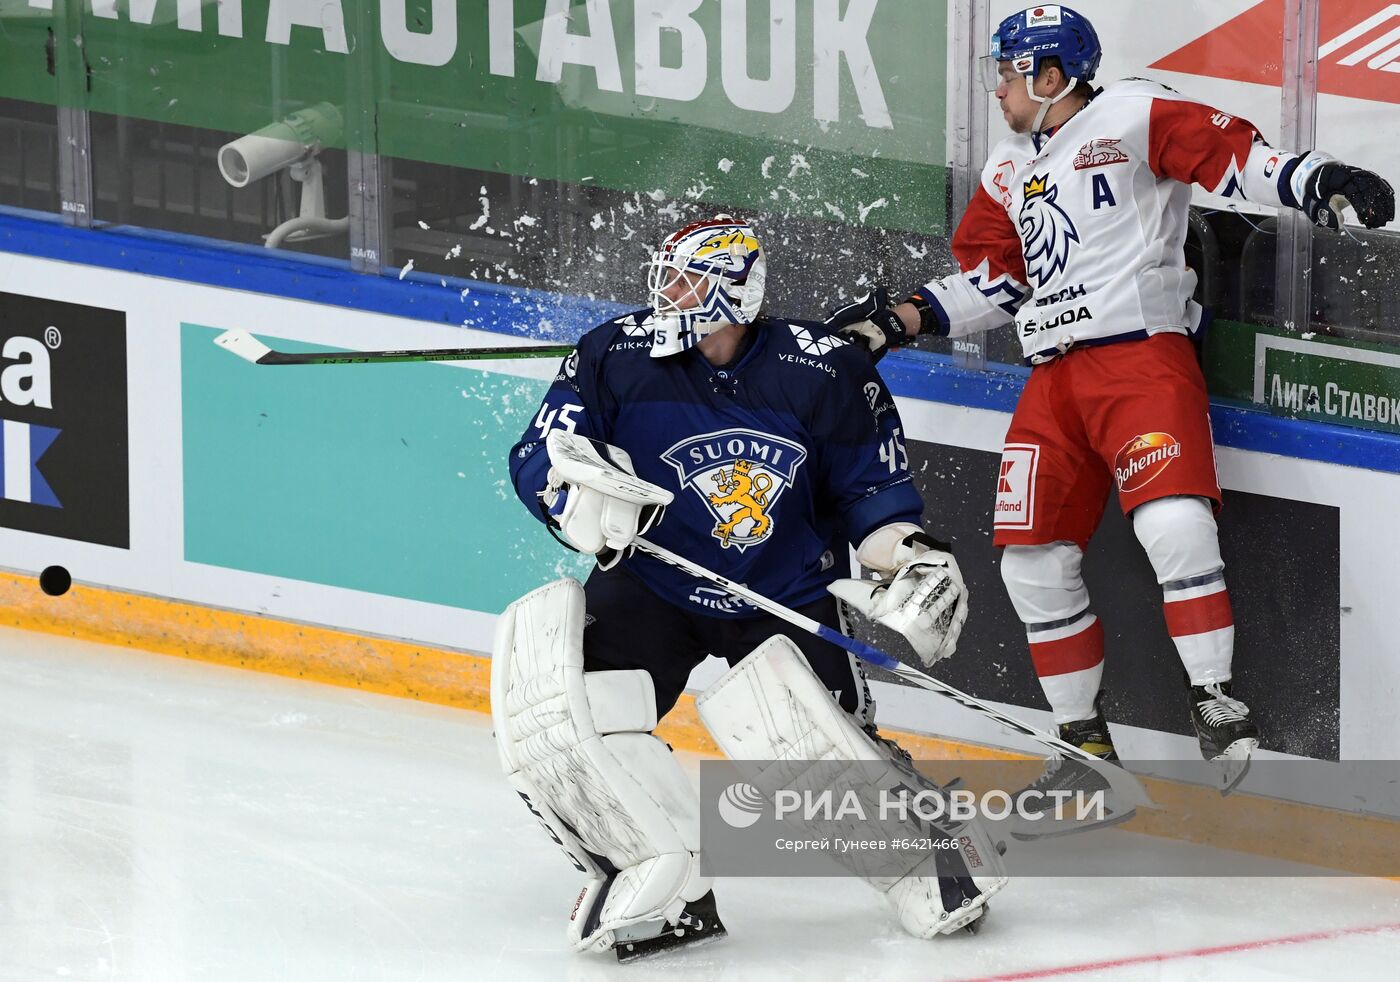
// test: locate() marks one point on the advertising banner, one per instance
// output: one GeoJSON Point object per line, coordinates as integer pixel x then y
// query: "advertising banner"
{"type": "Point", "coordinates": [1307, 376]}
{"type": "Point", "coordinates": [389, 479]}
{"type": "Point", "coordinates": [63, 406]}
{"type": "Point", "coordinates": [821, 107]}
{"type": "Point", "coordinates": [1358, 53]}
{"type": "Point", "coordinates": [1288, 625]}
{"type": "Point", "coordinates": [376, 499]}
{"type": "Point", "coordinates": [1336, 383]}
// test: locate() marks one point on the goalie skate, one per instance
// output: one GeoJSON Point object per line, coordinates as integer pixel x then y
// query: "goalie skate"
{"type": "Point", "coordinates": [697, 924]}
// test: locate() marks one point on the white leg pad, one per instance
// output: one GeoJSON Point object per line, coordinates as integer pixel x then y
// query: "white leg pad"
{"type": "Point", "coordinates": [772, 707]}
{"type": "Point", "coordinates": [1045, 583]}
{"type": "Point", "coordinates": [576, 746]}
{"type": "Point", "coordinates": [1180, 537]}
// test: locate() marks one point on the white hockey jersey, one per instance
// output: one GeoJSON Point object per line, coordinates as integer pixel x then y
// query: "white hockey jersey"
{"type": "Point", "coordinates": [1081, 239]}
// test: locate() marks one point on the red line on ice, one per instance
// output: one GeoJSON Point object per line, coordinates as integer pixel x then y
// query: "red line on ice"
{"type": "Point", "coordinates": [1045, 973]}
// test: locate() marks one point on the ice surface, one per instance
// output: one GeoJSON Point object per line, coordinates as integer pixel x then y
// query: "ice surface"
{"type": "Point", "coordinates": [162, 819]}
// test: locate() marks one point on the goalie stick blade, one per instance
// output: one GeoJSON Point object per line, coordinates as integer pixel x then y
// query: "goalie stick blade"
{"type": "Point", "coordinates": [244, 345]}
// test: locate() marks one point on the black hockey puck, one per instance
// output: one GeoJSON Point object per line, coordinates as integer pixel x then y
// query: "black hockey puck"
{"type": "Point", "coordinates": [55, 581]}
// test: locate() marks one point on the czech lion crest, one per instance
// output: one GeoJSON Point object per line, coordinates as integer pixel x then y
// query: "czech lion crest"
{"type": "Point", "coordinates": [739, 474]}
{"type": "Point", "coordinates": [1046, 230]}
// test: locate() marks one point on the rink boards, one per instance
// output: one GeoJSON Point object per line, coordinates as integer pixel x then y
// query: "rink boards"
{"type": "Point", "coordinates": [355, 524]}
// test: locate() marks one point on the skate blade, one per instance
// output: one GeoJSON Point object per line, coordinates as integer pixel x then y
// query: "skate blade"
{"type": "Point", "coordinates": [668, 942]}
{"type": "Point", "coordinates": [968, 920]}
{"type": "Point", "coordinates": [975, 925]}
{"type": "Point", "coordinates": [1234, 764]}
{"type": "Point", "coordinates": [1114, 819]}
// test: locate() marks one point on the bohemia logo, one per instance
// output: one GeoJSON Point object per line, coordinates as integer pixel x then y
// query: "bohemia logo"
{"type": "Point", "coordinates": [1143, 458]}
{"type": "Point", "coordinates": [26, 383]}
{"type": "Point", "coordinates": [1046, 230]}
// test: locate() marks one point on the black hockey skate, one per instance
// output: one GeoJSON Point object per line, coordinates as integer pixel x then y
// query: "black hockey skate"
{"type": "Point", "coordinates": [1075, 777]}
{"type": "Point", "coordinates": [1224, 728]}
{"type": "Point", "coordinates": [1222, 722]}
{"type": "Point", "coordinates": [698, 923]}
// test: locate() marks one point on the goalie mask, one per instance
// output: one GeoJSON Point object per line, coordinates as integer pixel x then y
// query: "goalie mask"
{"type": "Point", "coordinates": [704, 277]}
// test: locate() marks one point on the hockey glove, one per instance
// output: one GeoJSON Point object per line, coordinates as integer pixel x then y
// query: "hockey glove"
{"type": "Point", "coordinates": [921, 595]}
{"type": "Point", "coordinates": [595, 499]}
{"type": "Point", "coordinates": [870, 322]}
{"type": "Point", "coordinates": [1332, 185]}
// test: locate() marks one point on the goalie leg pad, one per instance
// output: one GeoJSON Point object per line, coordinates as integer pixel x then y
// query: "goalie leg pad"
{"type": "Point", "coordinates": [772, 707]}
{"type": "Point", "coordinates": [577, 748]}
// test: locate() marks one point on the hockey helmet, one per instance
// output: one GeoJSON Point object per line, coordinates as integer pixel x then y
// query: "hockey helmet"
{"type": "Point", "coordinates": [723, 269]}
{"type": "Point", "coordinates": [1048, 31]}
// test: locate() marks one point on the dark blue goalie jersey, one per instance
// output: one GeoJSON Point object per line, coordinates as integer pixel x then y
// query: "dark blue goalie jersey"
{"type": "Point", "coordinates": [776, 462]}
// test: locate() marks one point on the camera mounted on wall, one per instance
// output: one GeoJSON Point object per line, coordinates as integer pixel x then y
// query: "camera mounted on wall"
{"type": "Point", "coordinates": [292, 143]}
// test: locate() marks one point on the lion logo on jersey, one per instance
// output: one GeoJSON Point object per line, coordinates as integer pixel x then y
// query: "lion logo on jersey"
{"type": "Point", "coordinates": [1046, 230]}
{"type": "Point", "coordinates": [750, 492]}
{"type": "Point", "coordinates": [739, 474]}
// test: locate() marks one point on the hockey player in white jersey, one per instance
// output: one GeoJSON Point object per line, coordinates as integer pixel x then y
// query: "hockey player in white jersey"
{"type": "Point", "coordinates": [1075, 238]}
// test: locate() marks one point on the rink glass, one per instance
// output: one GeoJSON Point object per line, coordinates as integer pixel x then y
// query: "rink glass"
{"type": "Point", "coordinates": [501, 141]}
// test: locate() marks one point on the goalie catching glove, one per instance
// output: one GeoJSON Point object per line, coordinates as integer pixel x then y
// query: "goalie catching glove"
{"type": "Point", "coordinates": [920, 592]}
{"type": "Point", "coordinates": [595, 498]}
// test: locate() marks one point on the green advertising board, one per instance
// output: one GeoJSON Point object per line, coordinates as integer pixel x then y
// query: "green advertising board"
{"type": "Point", "coordinates": [1331, 382]}
{"type": "Point", "coordinates": [823, 108]}
{"type": "Point", "coordinates": [1307, 376]}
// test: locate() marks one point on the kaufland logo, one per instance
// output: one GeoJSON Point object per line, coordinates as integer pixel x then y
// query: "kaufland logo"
{"type": "Point", "coordinates": [23, 444]}
{"type": "Point", "coordinates": [1358, 53]}
{"type": "Point", "coordinates": [1003, 485]}
{"type": "Point", "coordinates": [26, 380]}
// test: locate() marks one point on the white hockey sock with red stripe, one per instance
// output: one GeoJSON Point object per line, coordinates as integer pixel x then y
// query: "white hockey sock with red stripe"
{"type": "Point", "coordinates": [1069, 662]}
{"type": "Point", "coordinates": [1201, 624]}
{"type": "Point", "coordinates": [1047, 589]}
{"type": "Point", "coordinates": [1181, 540]}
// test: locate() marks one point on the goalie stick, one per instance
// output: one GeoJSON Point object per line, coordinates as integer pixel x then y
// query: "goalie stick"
{"type": "Point", "coordinates": [249, 348]}
{"type": "Point", "coordinates": [1124, 784]}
